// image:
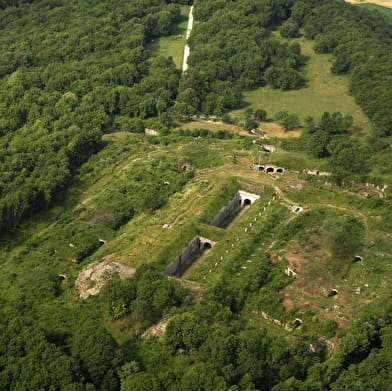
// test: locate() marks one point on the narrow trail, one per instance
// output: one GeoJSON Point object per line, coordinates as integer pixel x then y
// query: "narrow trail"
{"type": "Point", "coordinates": [188, 33]}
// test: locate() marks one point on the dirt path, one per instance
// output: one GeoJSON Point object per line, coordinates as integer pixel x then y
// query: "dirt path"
{"type": "Point", "coordinates": [188, 33]}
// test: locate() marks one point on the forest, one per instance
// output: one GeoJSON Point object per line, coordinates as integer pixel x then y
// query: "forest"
{"type": "Point", "coordinates": [65, 83]}
{"type": "Point", "coordinates": [79, 181]}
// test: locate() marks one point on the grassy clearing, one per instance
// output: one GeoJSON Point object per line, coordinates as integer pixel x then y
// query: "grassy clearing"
{"type": "Point", "coordinates": [220, 168]}
{"type": "Point", "coordinates": [324, 92]}
{"type": "Point", "coordinates": [173, 45]}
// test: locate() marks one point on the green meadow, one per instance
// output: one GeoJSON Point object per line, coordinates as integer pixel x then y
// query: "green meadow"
{"type": "Point", "coordinates": [173, 45]}
{"type": "Point", "coordinates": [323, 91]}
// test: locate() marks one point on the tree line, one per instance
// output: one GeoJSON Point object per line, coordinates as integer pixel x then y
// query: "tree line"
{"type": "Point", "coordinates": [232, 50]}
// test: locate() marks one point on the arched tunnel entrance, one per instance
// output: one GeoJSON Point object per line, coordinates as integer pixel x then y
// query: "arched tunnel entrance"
{"type": "Point", "coordinates": [270, 170]}
{"type": "Point", "coordinates": [189, 256]}
{"type": "Point", "coordinates": [247, 202]}
{"type": "Point", "coordinates": [207, 246]}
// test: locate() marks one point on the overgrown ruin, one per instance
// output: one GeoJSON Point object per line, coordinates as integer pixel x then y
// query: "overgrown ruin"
{"type": "Point", "coordinates": [188, 255]}
{"type": "Point", "coordinates": [268, 168]}
{"type": "Point", "coordinates": [241, 199]}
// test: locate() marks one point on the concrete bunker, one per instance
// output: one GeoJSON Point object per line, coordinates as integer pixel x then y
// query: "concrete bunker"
{"type": "Point", "coordinates": [268, 148]}
{"type": "Point", "coordinates": [297, 323]}
{"type": "Point", "coordinates": [257, 167]}
{"type": "Point", "coordinates": [270, 170]}
{"type": "Point", "coordinates": [185, 165]}
{"type": "Point", "coordinates": [357, 258]}
{"type": "Point", "coordinates": [317, 172]}
{"type": "Point", "coordinates": [247, 202]}
{"type": "Point", "coordinates": [241, 200]}
{"type": "Point", "coordinates": [207, 245]}
{"type": "Point", "coordinates": [290, 272]}
{"type": "Point", "coordinates": [332, 292]}
{"type": "Point", "coordinates": [195, 248]}
{"type": "Point", "coordinates": [297, 209]}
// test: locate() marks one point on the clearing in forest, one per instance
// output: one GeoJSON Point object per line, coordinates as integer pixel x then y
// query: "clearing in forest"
{"type": "Point", "coordinates": [173, 45]}
{"type": "Point", "coordinates": [324, 92]}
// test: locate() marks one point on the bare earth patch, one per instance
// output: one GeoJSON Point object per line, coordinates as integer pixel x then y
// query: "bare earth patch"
{"type": "Point", "coordinates": [91, 279]}
{"type": "Point", "coordinates": [156, 330]}
{"type": "Point", "coordinates": [272, 129]}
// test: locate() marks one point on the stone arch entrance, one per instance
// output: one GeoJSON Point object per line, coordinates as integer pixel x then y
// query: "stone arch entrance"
{"type": "Point", "coordinates": [297, 323]}
{"type": "Point", "coordinates": [247, 198]}
{"type": "Point", "coordinates": [357, 258]}
{"type": "Point", "coordinates": [332, 292]}
{"type": "Point", "coordinates": [247, 202]}
{"type": "Point", "coordinates": [207, 246]}
{"type": "Point", "coordinates": [185, 165]}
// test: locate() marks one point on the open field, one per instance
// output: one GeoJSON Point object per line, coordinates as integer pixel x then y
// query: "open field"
{"type": "Point", "coordinates": [382, 3]}
{"type": "Point", "coordinates": [323, 92]}
{"type": "Point", "coordinates": [173, 45]}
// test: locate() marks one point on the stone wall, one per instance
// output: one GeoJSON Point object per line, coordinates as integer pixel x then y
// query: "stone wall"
{"type": "Point", "coordinates": [227, 213]}
{"type": "Point", "coordinates": [185, 259]}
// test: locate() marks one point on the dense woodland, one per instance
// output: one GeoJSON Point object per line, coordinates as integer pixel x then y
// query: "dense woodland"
{"type": "Point", "coordinates": [69, 73]}
{"type": "Point", "coordinates": [73, 69]}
